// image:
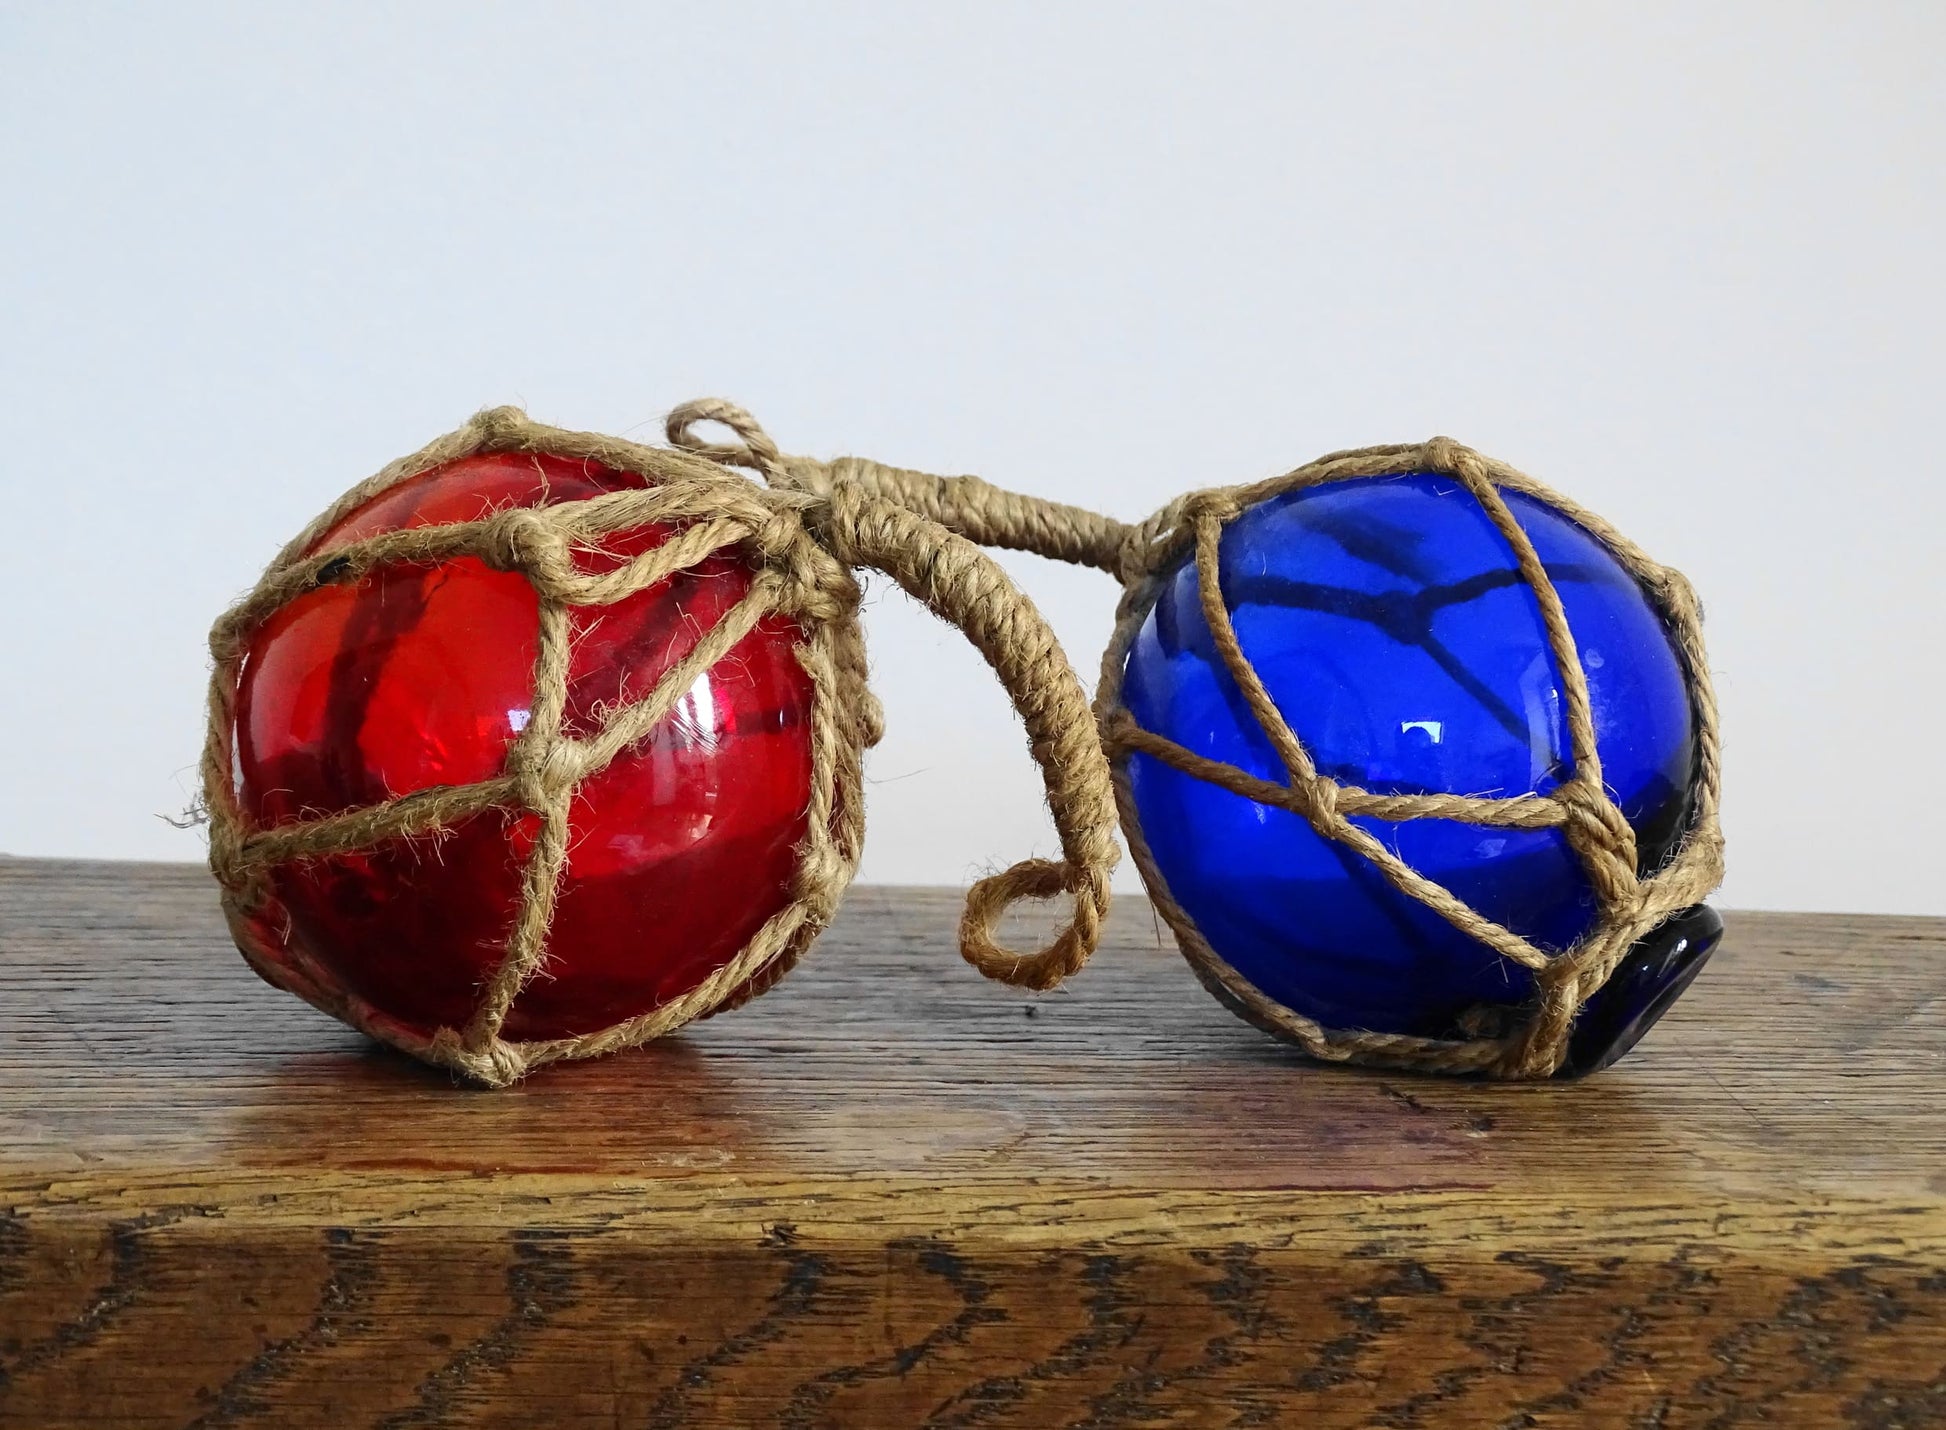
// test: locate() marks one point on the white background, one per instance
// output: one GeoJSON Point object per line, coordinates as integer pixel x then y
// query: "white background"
{"type": "Point", "coordinates": [1682, 262]}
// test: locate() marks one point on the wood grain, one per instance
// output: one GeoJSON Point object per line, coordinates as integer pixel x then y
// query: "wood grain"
{"type": "Point", "coordinates": [891, 1194]}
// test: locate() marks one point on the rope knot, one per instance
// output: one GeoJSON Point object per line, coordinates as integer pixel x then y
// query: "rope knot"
{"type": "Point", "coordinates": [779, 532]}
{"type": "Point", "coordinates": [868, 719]}
{"type": "Point", "coordinates": [1678, 597]}
{"type": "Point", "coordinates": [1216, 504]}
{"type": "Point", "coordinates": [821, 874]}
{"type": "Point", "coordinates": [500, 426]}
{"type": "Point", "coordinates": [525, 539]}
{"type": "Point", "coordinates": [839, 520]}
{"type": "Point", "coordinates": [497, 1064]}
{"type": "Point", "coordinates": [1601, 834]}
{"type": "Point", "coordinates": [1443, 454]}
{"type": "Point", "coordinates": [545, 773]}
{"type": "Point", "coordinates": [226, 853]}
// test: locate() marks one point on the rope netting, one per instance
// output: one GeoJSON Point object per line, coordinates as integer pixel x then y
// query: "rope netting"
{"type": "Point", "coordinates": [804, 532]}
{"type": "Point", "coordinates": [803, 545]}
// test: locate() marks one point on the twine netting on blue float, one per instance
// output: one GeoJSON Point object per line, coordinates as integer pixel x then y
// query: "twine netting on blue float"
{"type": "Point", "coordinates": [1419, 761]}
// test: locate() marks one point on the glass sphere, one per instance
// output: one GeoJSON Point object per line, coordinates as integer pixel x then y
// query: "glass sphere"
{"type": "Point", "coordinates": [1388, 619]}
{"type": "Point", "coordinates": [421, 675]}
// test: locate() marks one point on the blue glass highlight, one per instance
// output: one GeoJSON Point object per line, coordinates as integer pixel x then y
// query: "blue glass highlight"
{"type": "Point", "coordinates": [1388, 620]}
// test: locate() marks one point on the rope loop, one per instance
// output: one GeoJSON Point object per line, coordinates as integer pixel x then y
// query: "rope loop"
{"type": "Point", "coordinates": [992, 896]}
{"type": "Point", "coordinates": [754, 450]}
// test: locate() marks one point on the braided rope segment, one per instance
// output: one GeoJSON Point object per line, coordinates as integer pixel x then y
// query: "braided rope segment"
{"type": "Point", "coordinates": [803, 544]}
{"type": "Point", "coordinates": [875, 516]}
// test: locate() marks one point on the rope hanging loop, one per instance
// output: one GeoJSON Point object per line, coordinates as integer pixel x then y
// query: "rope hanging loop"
{"type": "Point", "coordinates": [795, 544]}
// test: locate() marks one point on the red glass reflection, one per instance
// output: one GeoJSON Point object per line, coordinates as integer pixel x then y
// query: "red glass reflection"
{"type": "Point", "coordinates": [420, 676]}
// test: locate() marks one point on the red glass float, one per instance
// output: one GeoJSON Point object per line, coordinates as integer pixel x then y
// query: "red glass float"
{"type": "Point", "coordinates": [421, 675]}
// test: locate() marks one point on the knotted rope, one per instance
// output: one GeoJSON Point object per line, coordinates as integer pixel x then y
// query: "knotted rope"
{"type": "Point", "coordinates": [1145, 558]}
{"type": "Point", "coordinates": [805, 536]}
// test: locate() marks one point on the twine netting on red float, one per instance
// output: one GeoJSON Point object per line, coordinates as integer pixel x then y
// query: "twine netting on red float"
{"type": "Point", "coordinates": [798, 548]}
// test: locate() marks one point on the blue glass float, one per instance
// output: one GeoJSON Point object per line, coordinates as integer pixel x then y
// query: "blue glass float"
{"type": "Point", "coordinates": [1388, 620]}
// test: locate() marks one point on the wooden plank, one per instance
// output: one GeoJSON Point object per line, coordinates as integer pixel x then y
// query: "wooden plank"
{"type": "Point", "coordinates": [891, 1194]}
